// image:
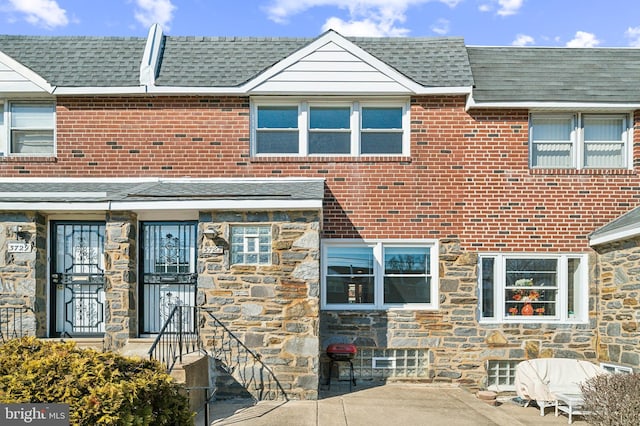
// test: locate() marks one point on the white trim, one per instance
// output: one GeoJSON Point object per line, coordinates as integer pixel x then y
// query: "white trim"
{"type": "Point", "coordinates": [153, 179]}
{"type": "Point", "coordinates": [57, 194]}
{"type": "Point", "coordinates": [378, 245]}
{"type": "Point", "coordinates": [553, 105]}
{"type": "Point", "coordinates": [562, 289]}
{"type": "Point", "coordinates": [92, 90]}
{"type": "Point", "coordinates": [624, 233]}
{"type": "Point", "coordinates": [220, 204]}
{"type": "Point", "coordinates": [332, 37]}
{"type": "Point", "coordinates": [26, 73]}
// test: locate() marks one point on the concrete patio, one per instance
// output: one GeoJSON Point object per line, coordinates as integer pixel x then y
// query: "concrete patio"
{"type": "Point", "coordinates": [390, 404]}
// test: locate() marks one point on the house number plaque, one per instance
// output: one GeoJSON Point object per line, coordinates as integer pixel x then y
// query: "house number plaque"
{"type": "Point", "coordinates": [212, 250]}
{"type": "Point", "coordinates": [19, 247]}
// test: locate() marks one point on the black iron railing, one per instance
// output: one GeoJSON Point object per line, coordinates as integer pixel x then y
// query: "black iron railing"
{"type": "Point", "coordinates": [183, 333]}
{"type": "Point", "coordinates": [13, 322]}
{"type": "Point", "coordinates": [178, 336]}
{"type": "Point", "coordinates": [238, 361]}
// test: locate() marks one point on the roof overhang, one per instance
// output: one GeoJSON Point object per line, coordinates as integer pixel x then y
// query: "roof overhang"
{"type": "Point", "coordinates": [155, 194]}
{"type": "Point", "coordinates": [553, 106]}
{"type": "Point", "coordinates": [619, 234]}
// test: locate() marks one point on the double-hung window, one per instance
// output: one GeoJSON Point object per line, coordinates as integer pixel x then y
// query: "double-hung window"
{"type": "Point", "coordinates": [318, 127]}
{"type": "Point", "coordinates": [580, 141]}
{"type": "Point", "coordinates": [379, 275]}
{"type": "Point", "coordinates": [27, 127]}
{"type": "Point", "coordinates": [533, 288]}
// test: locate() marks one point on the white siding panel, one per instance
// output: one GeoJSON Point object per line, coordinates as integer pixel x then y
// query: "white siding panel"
{"type": "Point", "coordinates": [341, 56]}
{"type": "Point", "coordinates": [19, 86]}
{"type": "Point", "coordinates": [310, 76]}
{"type": "Point", "coordinates": [331, 66]}
{"type": "Point", "coordinates": [330, 87]}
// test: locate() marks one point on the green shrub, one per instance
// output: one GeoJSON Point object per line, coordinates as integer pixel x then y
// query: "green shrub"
{"type": "Point", "coordinates": [612, 400]}
{"type": "Point", "coordinates": [101, 388]}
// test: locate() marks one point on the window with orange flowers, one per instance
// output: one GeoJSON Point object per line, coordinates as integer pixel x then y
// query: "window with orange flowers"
{"type": "Point", "coordinates": [533, 288]}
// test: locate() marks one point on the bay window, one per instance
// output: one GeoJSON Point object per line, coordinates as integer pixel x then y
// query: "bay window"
{"type": "Point", "coordinates": [582, 141]}
{"type": "Point", "coordinates": [320, 127]}
{"type": "Point", "coordinates": [533, 288]}
{"type": "Point", "coordinates": [379, 275]}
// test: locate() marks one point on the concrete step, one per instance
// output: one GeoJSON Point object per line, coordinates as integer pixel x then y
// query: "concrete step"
{"type": "Point", "coordinates": [96, 343]}
{"type": "Point", "coordinates": [137, 347]}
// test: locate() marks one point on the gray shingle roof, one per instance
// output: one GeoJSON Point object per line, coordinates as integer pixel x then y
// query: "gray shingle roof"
{"type": "Point", "coordinates": [229, 61]}
{"type": "Point", "coordinates": [521, 74]}
{"type": "Point", "coordinates": [38, 191]}
{"type": "Point", "coordinates": [79, 61]}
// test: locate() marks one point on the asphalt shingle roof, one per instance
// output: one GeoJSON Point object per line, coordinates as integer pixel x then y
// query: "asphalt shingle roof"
{"type": "Point", "coordinates": [525, 74]}
{"type": "Point", "coordinates": [79, 61]}
{"type": "Point", "coordinates": [232, 61]}
{"type": "Point", "coordinates": [303, 189]}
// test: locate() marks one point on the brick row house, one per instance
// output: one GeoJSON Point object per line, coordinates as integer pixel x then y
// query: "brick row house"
{"type": "Point", "coordinates": [450, 210]}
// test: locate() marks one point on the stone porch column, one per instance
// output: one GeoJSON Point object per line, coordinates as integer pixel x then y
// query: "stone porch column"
{"type": "Point", "coordinates": [121, 317]}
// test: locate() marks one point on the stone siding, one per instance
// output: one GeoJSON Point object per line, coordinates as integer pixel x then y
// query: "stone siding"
{"type": "Point", "coordinates": [619, 303]}
{"type": "Point", "coordinates": [23, 275]}
{"type": "Point", "coordinates": [121, 319]}
{"type": "Point", "coordinates": [273, 309]}
{"type": "Point", "coordinates": [459, 346]}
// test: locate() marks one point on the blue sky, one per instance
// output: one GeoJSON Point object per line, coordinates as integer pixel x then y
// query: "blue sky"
{"type": "Point", "coordinates": [573, 23]}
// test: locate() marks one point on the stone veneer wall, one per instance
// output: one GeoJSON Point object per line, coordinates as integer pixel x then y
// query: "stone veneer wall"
{"type": "Point", "coordinates": [618, 307]}
{"type": "Point", "coordinates": [121, 320]}
{"type": "Point", "coordinates": [459, 346]}
{"type": "Point", "coordinates": [273, 309]}
{"type": "Point", "coordinates": [23, 275]}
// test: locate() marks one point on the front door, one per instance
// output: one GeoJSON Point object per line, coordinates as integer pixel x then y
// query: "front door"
{"type": "Point", "coordinates": [77, 278]}
{"type": "Point", "coordinates": [168, 254]}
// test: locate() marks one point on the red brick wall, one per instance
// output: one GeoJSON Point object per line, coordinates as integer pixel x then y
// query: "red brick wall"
{"type": "Point", "coordinates": [467, 176]}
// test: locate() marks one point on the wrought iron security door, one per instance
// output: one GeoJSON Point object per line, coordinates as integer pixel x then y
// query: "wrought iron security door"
{"type": "Point", "coordinates": [168, 253]}
{"type": "Point", "coordinates": [77, 278]}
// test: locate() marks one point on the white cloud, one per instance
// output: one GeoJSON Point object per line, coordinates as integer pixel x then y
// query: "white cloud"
{"type": "Point", "coordinates": [441, 27]}
{"type": "Point", "coordinates": [365, 17]}
{"type": "Point", "coordinates": [523, 40]}
{"type": "Point", "coordinates": [583, 39]}
{"type": "Point", "coordinates": [41, 13]}
{"type": "Point", "coordinates": [505, 7]}
{"type": "Point", "coordinates": [633, 34]}
{"type": "Point", "coordinates": [509, 7]}
{"type": "Point", "coordinates": [151, 12]}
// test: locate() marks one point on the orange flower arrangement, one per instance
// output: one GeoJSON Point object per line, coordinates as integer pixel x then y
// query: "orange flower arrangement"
{"type": "Point", "coordinates": [513, 311]}
{"type": "Point", "coordinates": [539, 311]}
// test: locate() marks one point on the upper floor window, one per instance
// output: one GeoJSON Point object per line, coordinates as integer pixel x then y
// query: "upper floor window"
{"type": "Point", "coordinates": [533, 288]}
{"type": "Point", "coordinates": [337, 128]}
{"type": "Point", "coordinates": [251, 245]}
{"type": "Point", "coordinates": [377, 275]}
{"type": "Point", "coordinates": [580, 141]}
{"type": "Point", "coordinates": [27, 127]}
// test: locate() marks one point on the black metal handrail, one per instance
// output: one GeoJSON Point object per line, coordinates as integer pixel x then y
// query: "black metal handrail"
{"type": "Point", "coordinates": [178, 336]}
{"type": "Point", "coordinates": [240, 362]}
{"type": "Point", "coordinates": [182, 333]}
{"type": "Point", "coordinates": [12, 322]}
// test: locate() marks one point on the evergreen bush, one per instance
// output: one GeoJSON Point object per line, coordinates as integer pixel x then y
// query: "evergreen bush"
{"type": "Point", "coordinates": [101, 388]}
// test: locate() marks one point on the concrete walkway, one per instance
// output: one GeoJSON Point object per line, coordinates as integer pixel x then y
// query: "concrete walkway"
{"type": "Point", "coordinates": [388, 405]}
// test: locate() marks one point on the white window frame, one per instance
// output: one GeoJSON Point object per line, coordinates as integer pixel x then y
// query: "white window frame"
{"type": "Point", "coordinates": [378, 273]}
{"type": "Point", "coordinates": [6, 128]}
{"type": "Point", "coordinates": [615, 368]}
{"type": "Point", "coordinates": [581, 297]}
{"type": "Point", "coordinates": [577, 138]}
{"type": "Point", "coordinates": [304, 107]}
{"type": "Point", "coordinates": [247, 238]}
